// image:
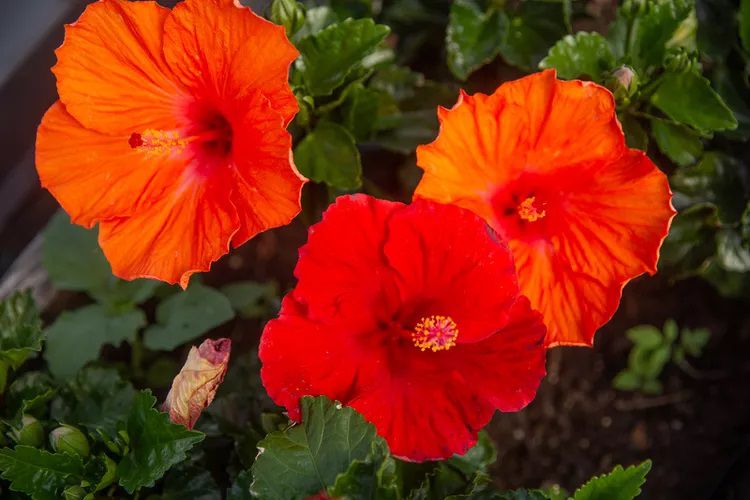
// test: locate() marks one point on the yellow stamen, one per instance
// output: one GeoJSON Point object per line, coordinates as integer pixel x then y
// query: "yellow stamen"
{"type": "Point", "coordinates": [157, 142]}
{"type": "Point", "coordinates": [437, 333]}
{"type": "Point", "coordinates": [527, 210]}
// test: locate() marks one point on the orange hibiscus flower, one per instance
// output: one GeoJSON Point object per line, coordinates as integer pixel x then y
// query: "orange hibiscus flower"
{"type": "Point", "coordinates": [545, 163]}
{"type": "Point", "coordinates": [170, 132]}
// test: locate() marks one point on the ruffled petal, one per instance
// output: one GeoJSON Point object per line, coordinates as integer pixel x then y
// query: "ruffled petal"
{"type": "Point", "coordinates": [422, 243]}
{"type": "Point", "coordinates": [179, 235]}
{"type": "Point", "coordinates": [111, 74]}
{"type": "Point", "coordinates": [240, 52]}
{"type": "Point", "coordinates": [267, 187]}
{"type": "Point", "coordinates": [95, 176]}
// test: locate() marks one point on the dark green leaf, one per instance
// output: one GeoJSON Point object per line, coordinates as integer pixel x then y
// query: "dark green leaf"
{"type": "Point", "coordinates": [20, 329]}
{"type": "Point", "coordinates": [352, 8]}
{"type": "Point", "coordinates": [190, 482]}
{"type": "Point", "coordinates": [688, 98]}
{"type": "Point", "coordinates": [691, 240]}
{"type": "Point", "coordinates": [252, 299]}
{"type": "Point", "coordinates": [679, 143]}
{"type": "Point", "coordinates": [654, 26]}
{"type": "Point", "coordinates": [329, 56]}
{"type": "Point", "coordinates": [365, 106]}
{"type": "Point", "coordinates": [308, 457]}
{"type": "Point", "coordinates": [626, 380]}
{"type": "Point", "coordinates": [744, 24]}
{"type": "Point", "coordinates": [582, 54]}
{"type": "Point", "coordinates": [478, 458]}
{"type": "Point", "coordinates": [693, 341]}
{"type": "Point", "coordinates": [480, 488]}
{"type": "Point", "coordinates": [76, 337]}
{"type": "Point", "coordinates": [373, 478]}
{"type": "Point", "coordinates": [28, 393]}
{"type": "Point", "coordinates": [732, 254]}
{"type": "Point", "coordinates": [729, 284]}
{"type": "Point", "coordinates": [441, 483]}
{"type": "Point", "coordinates": [715, 19]}
{"type": "Point", "coordinates": [38, 473]}
{"type": "Point", "coordinates": [328, 154]}
{"type": "Point", "coordinates": [288, 13]}
{"type": "Point", "coordinates": [635, 135]}
{"type": "Point", "coordinates": [240, 489]}
{"type": "Point", "coordinates": [532, 29]}
{"type": "Point", "coordinates": [317, 19]}
{"type": "Point", "coordinates": [156, 444]}
{"type": "Point", "coordinates": [473, 37]}
{"type": "Point", "coordinates": [620, 484]}
{"type": "Point", "coordinates": [97, 398]}
{"type": "Point", "coordinates": [405, 131]}
{"type": "Point", "coordinates": [186, 316]}
{"type": "Point", "coordinates": [733, 89]}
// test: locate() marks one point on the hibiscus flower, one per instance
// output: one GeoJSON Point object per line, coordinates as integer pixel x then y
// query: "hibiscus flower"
{"type": "Point", "coordinates": [170, 132]}
{"type": "Point", "coordinates": [411, 314]}
{"type": "Point", "coordinates": [545, 163]}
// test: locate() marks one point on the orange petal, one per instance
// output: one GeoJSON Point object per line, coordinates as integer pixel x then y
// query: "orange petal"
{"type": "Point", "coordinates": [111, 74]}
{"type": "Point", "coordinates": [195, 386]}
{"type": "Point", "coordinates": [96, 176]}
{"type": "Point", "coordinates": [240, 52]}
{"type": "Point", "coordinates": [181, 234]}
{"type": "Point", "coordinates": [267, 186]}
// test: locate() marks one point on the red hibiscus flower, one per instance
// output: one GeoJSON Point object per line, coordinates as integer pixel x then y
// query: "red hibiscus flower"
{"type": "Point", "coordinates": [544, 162]}
{"type": "Point", "coordinates": [171, 133]}
{"type": "Point", "coordinates": [411, 315]}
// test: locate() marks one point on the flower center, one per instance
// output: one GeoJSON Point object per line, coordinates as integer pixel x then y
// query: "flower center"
{"type": "Point", "coordinates": [437, 333]}
{"type": "Point", "coordinates": [211, 134]}
{"type": "Point", "coordinates": [157, 142]}
{"type": "Point", "coordinates": [527, 211]}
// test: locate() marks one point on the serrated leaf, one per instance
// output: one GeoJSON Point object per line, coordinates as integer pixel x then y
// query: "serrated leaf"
{"type": "Point", "coordinates": [186, 316]}
{"type": "Point", "coordinates": [328, 154]}
{"type": "Point", "coordinates": [688, 98]}
{"type": "Point", "coordinates": [373, 478]}
{"type": "Point", "coordinates": [329, 56]}
{"type": "Point", "coordinates": [27, 394]}
{"type": "Point", "coordinates": [473, 36]}
{"type": "Point", "coordinates": [156, 444]}
{"type": "Point", "coordinates": [679, 143]}
{"type": "Point", "coordinates": [653, 26]}
{"type": "Point", "coordinates": [40, 474]}
{"type": "Point", "coordinates": [478, 458]}
{"type": "Point", "coordinates": [252, 299]}
{"type": "Point", "coordinates": [76, 337]}
{"type": "Point", "coordinates": [288, 13]}
{"type": "Point", "coordinates": [308, 457]}
{"type": "Point", "coordinates": [20, 329]}
{"type": "Point", "coordinates": [620, 484]}
{"type": "Point", "coordinates": [97, 398]}
{"type": "Point", "coordinates": [240, 489]}
{"type": "Point", "coordinates": [582, 54]}
{"type": "Point", "coordinates": [532, 29]}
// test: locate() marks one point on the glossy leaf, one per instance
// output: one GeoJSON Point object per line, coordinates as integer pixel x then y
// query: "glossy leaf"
{"type": "Point", "coordinates": [308, 457]}
{"type": "Point", "coordinates": [187, 315]}
{"type": "Point", "coordinates": [240, 489]}
{"type": "Point", "coordinates": [582, 54]}
{"type": "Point", "coordinates": [76, 337]}
{"type": "Point", "coordinates": [329, 56]}
{"type": "Point", "coordinates": [473, 36]}
{"type": "Point", "coordinates": [28, 394]}
{"type": "Point", "coordinates": [20, 329]}
{"type": "Point", "coordinates": [620, 484]}
{"type": "Point", "coordinates": [653, 26]}
{"type": "Point", "coordinates": [156, 444]}
{"type": "Point", "coordinates": [288, 13]}
{"type": "Point", "coordinates": [532, 29]}
{"type": "Point", "coordinates": [328, 154]}
{"type": "Point", "coordinates": [688, 98]}
{"type": "Point", "coordinates": [373, 478]}
{"type": "Point", "coordinates": [40, 474]}
{"type": "Point", "coordinates": [732, 253]}
{"type": "Point", "coordinates": [679, 143]}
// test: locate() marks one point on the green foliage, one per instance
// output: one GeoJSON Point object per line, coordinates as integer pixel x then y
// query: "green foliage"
{"type": "Point", "coordinates": [155, 443]}
{"type": "Point", "coordinates": [186, 316]}
{"type": "Point", "coordinates": [652, 350]}
{"type": "Point", "coordinates": [473, 37]}
{"type": "Point", "coordinates": [240, 489]}
{"type": "Point", "coordinates": [288, 13]}
{"type": "Point", "coordinates": [308, 457]}
{"type": "Point", "coordinates": [38, 473]}
{"type": "Point", "coordinates": [620, 484]}
{"type": "Point", "coordinates": [20, 331]}
{"type": "Point", "coordinates": [580, 55]}
{"type": "Point", "coordinates": [252, 299]}
{"type": "Point", "coordinates": [681, 144]}
{"type": "Point", "coordinates": [329, 154]}
{"type": "Point", "coordinates": [76, 337]}
{"type": "Point", "coordinates": [27, 394]}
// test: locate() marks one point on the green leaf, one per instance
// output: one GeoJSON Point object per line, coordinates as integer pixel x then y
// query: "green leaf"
{"type": "Point", "coordinates": [582, 54]}
{"type": "Point", "coordinates": [732, 254]}
{"type": "Point", "coordinates": [671, 331]}
{"type": "Point", "coordinates": [403, 132]}
{"type": "Point", "coordinates": [691, 241]}
{"type": "Point", "coordinates": [308, 457]}
{"type": "Point", "coordinates": [652, 27]}
{"type": "Point", "coordinates": [27, 394]}
{"type": "Point", "coordinates": [352, 8]}
{"type": "Point", "coordinates": [288, 13]}
{"type": "Point", "coordinates": [693, 341]}
{"type": "Point", "coordinates": [97, 398]}
{"type": "Point", "coordinates": [240, 489]}
{"type": "Point", "coordinates": [329, 56]}
{"type": "Point", "coordinates": [645, 336]}
{"type": "Point", "coordinates": [679, 143]}
{"type": "Point", "coordinates": [478, 458]}
{"type": "Point", "coordinates": [364, 108]}
{"type": "Point", "coordinates": [688, 98]}
{"type": "Point", "coordinates": [532, 29]}
{"type": "Point", "coordinates": [373, 478]}
{"type": "Point", "coordinates": [328, 154]}
{"type": "Point", "coordinates": [38, 473]}
{"type": "Point", "coordinates": [20, 329]}
{"type": "Point", "coordinates": [620, 484]}
{"type": "Point", "coordinates": [473, 37]}
{"type": "Point", "coordinates": [252, 299]}
{"type": "Point", "coordinates": [156, 444]}
{"type": "Point", "coordinates": [186, 316]}
{"type": "Point", "coordinates": [316, 20]}
{"type": "Point", "coordinates": [76, 337]}
{"type": "Point", "coordinates": [728, 284]}
{"type": "Point", "coordinates": [635, 135]}
{"type": "Point", "coordinates": [626, 380]}
{"type": "Point", "coordinates": [744, 24]}
{"type": "Point", "coordinates": [715, 19]}
{"type": "Point", "coordinates": [190, 482]}
{"type": "Point", "coordinates": [718, 179]}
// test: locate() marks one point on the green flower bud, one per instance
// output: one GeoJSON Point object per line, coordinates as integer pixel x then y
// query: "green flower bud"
{"type": "Point", "coordinates": [68, 439]}
{"type": "Point", "coordinates": [31, 432]}
{"type": "Point", "coordinates": [623, 82]}
{"type": "Point", "coordinates": [110, 474]}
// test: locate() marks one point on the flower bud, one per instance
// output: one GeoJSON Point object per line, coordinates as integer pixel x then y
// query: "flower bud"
{"type": "Point", "coordinates": [623, 82]}
{"type": "Point", "coordinates": [110, 474]}
{"type": "Point", "coordinates": [68, 439]}
{"type": "Point", "coordinates": [195, 386]}
{"type": "Point", "coordinates": [31, 432]}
